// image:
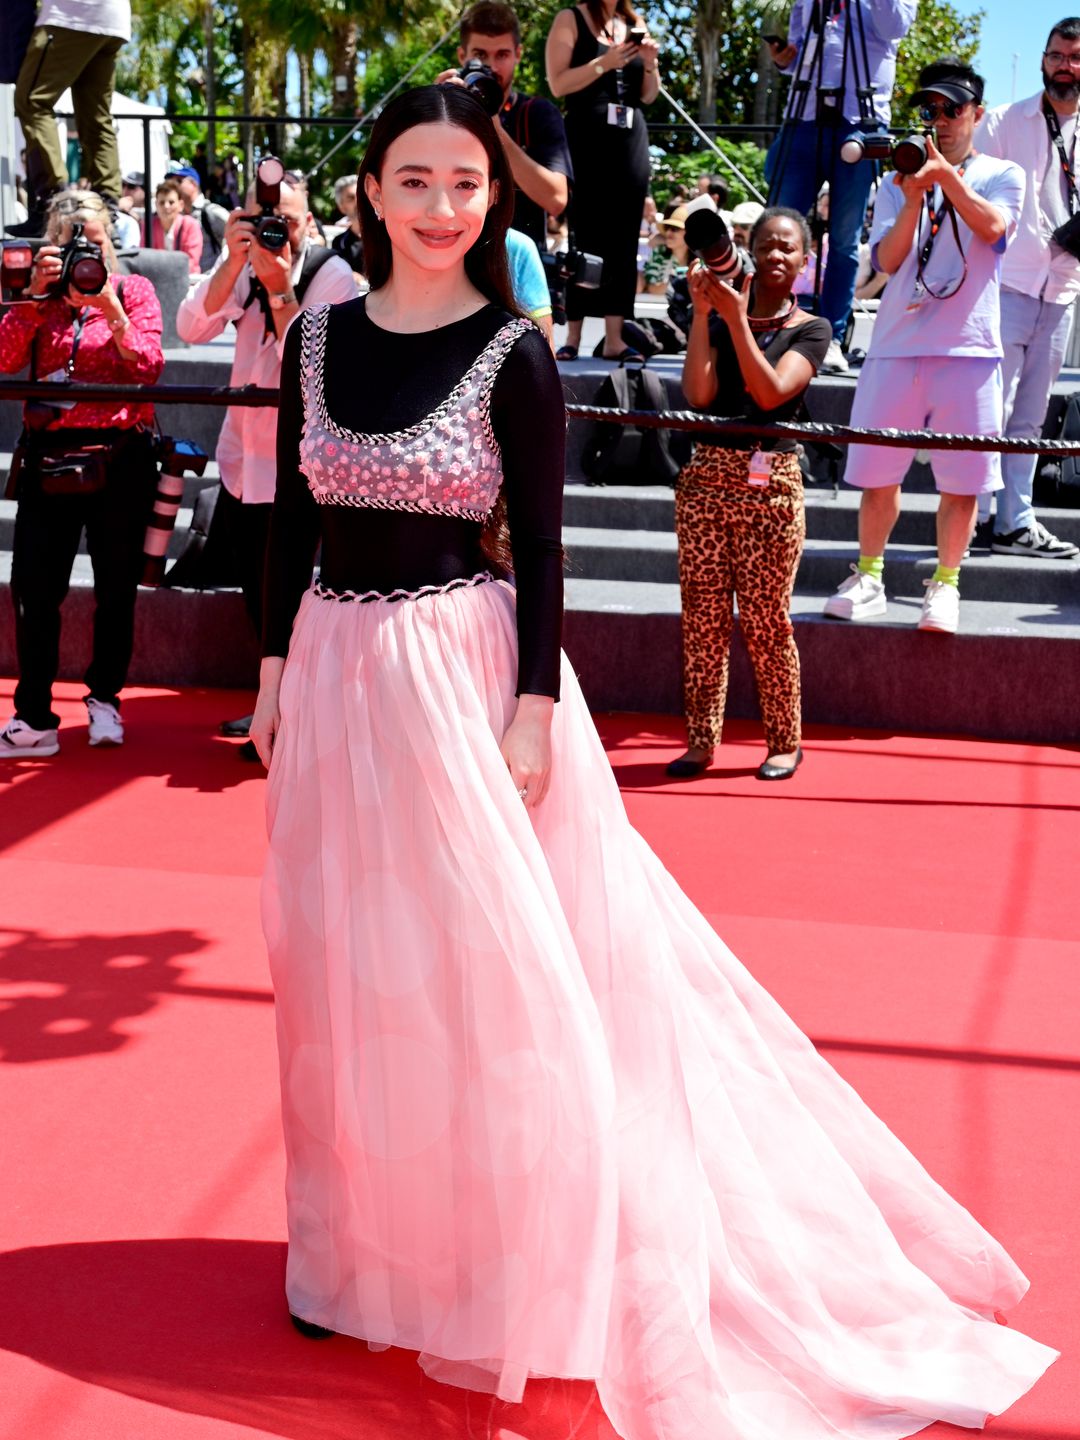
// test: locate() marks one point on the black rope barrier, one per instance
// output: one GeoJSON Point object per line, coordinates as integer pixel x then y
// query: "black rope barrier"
{"type": "Point", "coordinates": [818, 432]}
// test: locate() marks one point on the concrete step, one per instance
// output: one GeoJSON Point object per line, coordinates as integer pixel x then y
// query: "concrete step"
{"type": "Point", "coordinates": [830, 514]}
{"type": "Point", "coordinates": [652, 556]}
{"type": "Point", "coordinates": [1013, 672]}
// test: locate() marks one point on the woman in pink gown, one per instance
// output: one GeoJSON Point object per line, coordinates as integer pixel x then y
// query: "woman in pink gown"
{"type": "Point", "coordinates": [538, 1119]}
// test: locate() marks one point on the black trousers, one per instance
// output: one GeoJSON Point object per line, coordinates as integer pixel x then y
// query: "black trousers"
{"type": "Point", "coordinates": [238, 536]}
{"type": "Point", "coordinates": [48, 529]}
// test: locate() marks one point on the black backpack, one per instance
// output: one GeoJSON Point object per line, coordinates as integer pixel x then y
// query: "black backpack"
{"type": "Point", "coordinates": [629, 454]}
{"type": "Point", "coordinates": [1068, 479]}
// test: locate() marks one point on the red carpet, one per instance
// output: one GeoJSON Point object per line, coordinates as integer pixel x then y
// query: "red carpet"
{"type": "Point", "coordinates": [911, 901]}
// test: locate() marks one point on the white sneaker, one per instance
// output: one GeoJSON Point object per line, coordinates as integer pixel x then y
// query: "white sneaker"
{"type": "Point", "coordinates": [21, 741]}
{"type": "Point", "coordinates": [106, 727]}
{"type": "Point", "coordinates": [940, 608]}
{"type": "Point", "coordinates": [860, 597]}
{"type": "Point", "coordinates": [835, 359]}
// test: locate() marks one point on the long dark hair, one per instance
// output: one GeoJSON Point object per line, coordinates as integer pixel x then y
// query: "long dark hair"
{"type": "Point", "coordinates": [623, 9]}
{"type": "Point", "coordinates": [485, 263]}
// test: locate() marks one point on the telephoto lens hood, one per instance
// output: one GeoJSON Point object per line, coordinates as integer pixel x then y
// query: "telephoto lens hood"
{"type": "Point", "coordinates": [710, 240]}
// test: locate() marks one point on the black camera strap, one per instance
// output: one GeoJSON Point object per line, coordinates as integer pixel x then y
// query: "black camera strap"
{"type": "Point", "coordinates": [1053, 124]}
{"type": "Point", "coordinates": [936, 218]}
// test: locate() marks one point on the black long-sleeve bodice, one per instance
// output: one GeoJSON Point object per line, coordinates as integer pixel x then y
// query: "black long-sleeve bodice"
{"type": "Point", "coordinates": [379, 382]}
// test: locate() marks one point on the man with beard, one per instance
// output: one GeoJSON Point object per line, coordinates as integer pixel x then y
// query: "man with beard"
{"type": "Point", "coordinates": [1039, 277]}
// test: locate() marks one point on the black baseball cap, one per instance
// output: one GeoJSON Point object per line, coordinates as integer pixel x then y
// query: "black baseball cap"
{"type": "Point", "coordinates": [952, 79]}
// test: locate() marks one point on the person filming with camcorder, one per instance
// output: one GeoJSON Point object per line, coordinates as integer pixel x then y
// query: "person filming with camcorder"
{"type": "Point", "coordinates": [78, 465]}
{"type": "Point", "coordinates": [934, 360]}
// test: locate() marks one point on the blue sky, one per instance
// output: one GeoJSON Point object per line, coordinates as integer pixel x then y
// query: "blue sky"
{"type": "Point", "coordinates": [1015, 27]}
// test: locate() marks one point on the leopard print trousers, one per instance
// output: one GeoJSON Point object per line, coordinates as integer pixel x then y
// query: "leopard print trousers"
{"type": "Point", "coordinates": [738, 540]}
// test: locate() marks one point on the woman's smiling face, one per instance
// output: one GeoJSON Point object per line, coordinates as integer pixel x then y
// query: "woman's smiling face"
{"type": "Point", "coordinates": [434, 193]}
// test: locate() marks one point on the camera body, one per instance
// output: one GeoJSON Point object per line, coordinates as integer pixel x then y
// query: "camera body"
{"type": "Point", "coordinates": [569, 267]}
{"type": "Point", "coordinates": [179, 457]}
{"type": "Point", "coordinates": [82, 269]}
{"type": "Point", "coordinates": [480, 80]}
{"type": "Point", "coordinates": [271, 231]}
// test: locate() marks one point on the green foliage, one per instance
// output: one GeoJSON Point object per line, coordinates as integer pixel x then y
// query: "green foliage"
{"type": "Point", "coordinates": [672, 170]}
{"type": "Point", "coordinates": [940, 29]}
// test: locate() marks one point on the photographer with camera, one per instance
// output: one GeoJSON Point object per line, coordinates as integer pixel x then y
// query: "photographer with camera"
{"type": "Point", "coordinates": [1040, 278]}
{"type": "Point", "coordinates": [825, 49]}
{"type": "Point", "coordinates": [739, 503]}
{"type": "Point", "coordinates": [268, 272]}
{"type": "Point", "coordinates": [935, 355]}
{"type": "Point", "coordinates": [79, 466]}
{"type": "Point", "coordinates": [530, 128]}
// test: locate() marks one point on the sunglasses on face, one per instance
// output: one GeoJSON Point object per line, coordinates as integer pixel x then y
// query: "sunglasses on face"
{"type": "Point", "coordinates": [950, 109]}
{"type": "Point", "coordinates": [1060, 61]}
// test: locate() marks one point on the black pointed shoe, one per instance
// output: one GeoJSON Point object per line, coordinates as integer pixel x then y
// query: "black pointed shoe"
{"type": "Point", "coordinates": [780, 772]}
{"type": "Point", "coordinates": [309, 1330]}
{"type": "Point", "coordinates": [684, 769]}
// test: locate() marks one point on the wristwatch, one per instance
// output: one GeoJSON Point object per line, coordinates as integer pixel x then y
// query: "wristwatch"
{"type": "Point", "coordinates": [278, 302]}
{"type": "Point", "coordinates": [121, 324]}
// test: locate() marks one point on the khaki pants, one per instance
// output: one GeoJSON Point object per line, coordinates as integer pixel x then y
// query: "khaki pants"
{"type": "Point", "coordinates": [56, 59]}
{"type": "Point", "coordinates": [739, 542]}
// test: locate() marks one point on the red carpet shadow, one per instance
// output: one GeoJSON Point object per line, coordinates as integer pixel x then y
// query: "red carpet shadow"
{"type": "Point", "coordinates": [200, 1326]}
{"type": "Point", "coordinates": [82, 987]}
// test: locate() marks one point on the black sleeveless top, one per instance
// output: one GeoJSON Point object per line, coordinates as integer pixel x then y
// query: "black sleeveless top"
{"type": "Point", "coordinates": [618, 87]}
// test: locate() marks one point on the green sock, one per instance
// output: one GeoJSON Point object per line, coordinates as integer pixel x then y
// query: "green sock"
{"type": "Point", "coordinates": [872, 565]}
{"type": "Point", "coordinates": [948, 575]}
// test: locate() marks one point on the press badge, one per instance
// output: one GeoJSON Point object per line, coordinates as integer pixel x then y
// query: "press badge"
{"type": "Point", "coordinates": [759, 472]}
{"type": "Point", "coordinates": [60, 377]}
{"type": "Point", "coordinates": [918, 295]}
{"type": "Point", "coordinates": [621, 116]}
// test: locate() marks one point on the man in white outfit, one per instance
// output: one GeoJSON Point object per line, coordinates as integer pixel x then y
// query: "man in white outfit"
{"type": "Point", "coordinates": [1040, 278]}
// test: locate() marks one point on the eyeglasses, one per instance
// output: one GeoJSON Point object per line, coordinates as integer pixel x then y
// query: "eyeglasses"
{"type": "Point", "coordinates": [1060, 60]}
{"type": "Point", "coordinates": [949, 108]}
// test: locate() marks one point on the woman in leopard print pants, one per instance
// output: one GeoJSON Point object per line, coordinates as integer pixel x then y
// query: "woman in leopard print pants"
{"type": "Point", "coordinates": [739, 512]}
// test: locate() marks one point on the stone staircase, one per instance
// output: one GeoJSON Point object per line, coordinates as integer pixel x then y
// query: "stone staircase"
{"type": "Point", "coordinates": [1013, 672]}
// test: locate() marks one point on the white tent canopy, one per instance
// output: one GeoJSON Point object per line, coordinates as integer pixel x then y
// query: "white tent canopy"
{"type": "Point", "coordinates": [129, 133]}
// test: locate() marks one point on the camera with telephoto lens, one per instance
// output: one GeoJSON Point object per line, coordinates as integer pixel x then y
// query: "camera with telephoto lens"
{"type": "Point", "coordinates": [569, 267]}
{"type": "Point", "coordinates": [176, 458]}
{"type": "Point", "coordinates": [908, 155]}
{"type": "Point", "coordinates": [480, 80]}
{"type": "Point", "coordinates": [710, 240]}
{"type": "Point", "coordinates": [271, 231]}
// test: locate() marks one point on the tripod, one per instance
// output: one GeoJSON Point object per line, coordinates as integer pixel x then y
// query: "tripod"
{"type": "Point", "coordinates": [828, 108]}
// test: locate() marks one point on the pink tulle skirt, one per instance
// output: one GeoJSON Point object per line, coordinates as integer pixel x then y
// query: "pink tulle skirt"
{"type": "Point", "coordinates": [539, 1120]}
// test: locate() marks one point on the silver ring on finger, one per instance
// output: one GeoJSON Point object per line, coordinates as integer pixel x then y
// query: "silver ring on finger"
{"type": "Point", "coordinates": [523, 792]}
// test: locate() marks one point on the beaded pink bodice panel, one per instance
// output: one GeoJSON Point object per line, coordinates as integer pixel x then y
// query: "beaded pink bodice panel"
{"type": "Point", "coordinates": [446, 464]}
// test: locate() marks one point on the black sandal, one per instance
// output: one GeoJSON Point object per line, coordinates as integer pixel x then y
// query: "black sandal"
{"type": "Point", "coordinates": [629, 356]}
{"type": "Point", "coordinates": [566, 352]}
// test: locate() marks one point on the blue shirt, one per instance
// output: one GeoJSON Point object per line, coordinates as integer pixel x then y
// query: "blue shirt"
{"type": "Point", "coordinates": [527, 275]}
{"type": "Point", "coordinates": [967, 322]}
{"type": "Point", "coordinates": [885, 23]}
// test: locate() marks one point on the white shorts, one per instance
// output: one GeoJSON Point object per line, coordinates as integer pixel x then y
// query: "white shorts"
{"type": "Point", "coordinates": [952, 394]}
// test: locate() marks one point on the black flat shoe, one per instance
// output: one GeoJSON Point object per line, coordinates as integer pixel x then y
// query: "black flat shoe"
{"type": "Point", "coordinates": [566, 352]}
{"type": "Point", "coordinates": [684, 769]}
{"type": "Point", "coordinates": [780, 772]}
{"type": "Point", "coordinates": [310, 1331]}
{"type": "Point", "coordinates": [237, 729]}
{"type": "Point", "coordinates": [629, 356]}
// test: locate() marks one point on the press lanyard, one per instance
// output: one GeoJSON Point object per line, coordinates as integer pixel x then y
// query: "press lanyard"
{"type": "Point", "coordinates": [76, 326]}
{"type": "Point", "coordinates": [1053, 124]}
{"type": "Point", "coordinates": [936, 218]}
